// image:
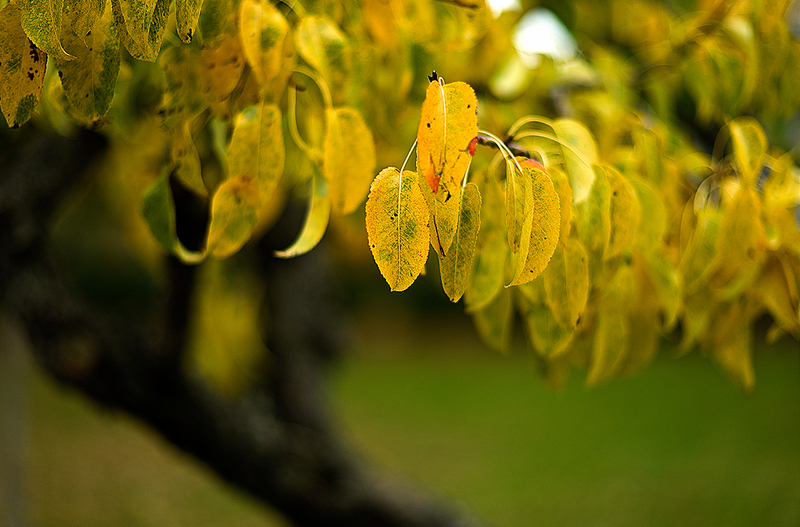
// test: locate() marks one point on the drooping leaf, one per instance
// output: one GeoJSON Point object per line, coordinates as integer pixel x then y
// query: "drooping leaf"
{"type": "Point", "coordinates": [730, 342]}
{"type": "Point", "coordinates": [158, 209]}
{"type": "Point", "coordinates": [610, 343]}
{"type": "Point", "coordinates": [186, 91]}
{"type": "Point", "coordinates": [263, 31]}
{"type": "Point", "coordinates": [561, 184]}
{"type": "Point", "coordinates": [234, 210]}
{"type": "Point", "coordinates": [90, 79]}
{"type": "Point", "coordinates": [540, 231]}
{"type": "Point", "coordinates": [593, 214]}
{"type": "Point", "coordinates": [519, 203]}
{"type": "Point", "coordinates": [548, 337]}
{"type": "Point", "coordinates": [455, 268]}
{"type": "Point", "coordinates": [494, 321]}
{"type": "Point", "coordinates": [491, 250]}
{"type": "Point", "coordinates": [700, 251]}
{"type": "Point", "coordinates": [444, 223]}
{"type": "Point", "coordinates": [316, 223]}
{"type": "Point", "coordinates": [349, 158]}
{"type": "Point", "coordinates": [22, 67]}
{"type": "Point", "coordinates": [397, 227]}
{"type": "Point", "coordinates": [580, 153]}
{"type": "Point", "coordinates": [82, 15]}
{"type": "Point", "coordinates": [41, 20]}
{"type": "Point", "coordinates": [221, 64]}
{"type": "Point", "coordinates": [447, 127]}
{"type": "Point", "coordinates": [187, 159]}
{"type": "Point", "coordinates": [566, 283]}
{"type": "Point", "coordinates": [624, 213]}
{"type": "Point", "coordinates": [257, 149]}
{"type": "Point", "coordinates": [325, 47]}
{"type": "Point", "coordinates": [652, 219]}
{"type": "Point", "coordinates": [141, 24]}
{"type": "Point", "coordinates": [749, 147]}
{"type": "Point", "coordinates": [187, 13]}
{"type": "Point", "coordinates": [775, 292]}
{"type": "Point", "coordinates": [666, 284]}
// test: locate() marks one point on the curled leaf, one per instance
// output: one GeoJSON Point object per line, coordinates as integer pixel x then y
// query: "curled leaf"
{"type": "Point", "coordinates": [317, 217]}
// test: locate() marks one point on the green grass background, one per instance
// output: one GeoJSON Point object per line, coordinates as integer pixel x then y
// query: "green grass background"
{"type": "Point", "coordinates": [676, 445]}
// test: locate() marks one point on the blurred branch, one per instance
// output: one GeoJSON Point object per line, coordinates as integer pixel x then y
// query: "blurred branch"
{"type": "Point", "coordinates": [277, 445]}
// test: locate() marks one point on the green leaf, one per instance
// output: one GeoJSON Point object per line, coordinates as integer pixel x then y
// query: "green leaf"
{"type": "Point", "coordinates": [234, 210]}
{"type": "Point", "coordinates": [90, 80]}
{"type": "Point", "coordinates": [187, 159]}
{"type": "Point", "coordinates": [158, 209]}
{"type": "Point", "coordinates": [624, 213]}
{"type": "Point", "coordinates": [540, 232]}
{"type": "Point", "coordinates": [455, 268]}
{"type": "Point", "coordinates": [397, 227]}
{"type": "Point", "coordinates": [141, 24]}
{"type": "Point", "coordinates": [348, 158]}
{"type": "Point", "coordinates": [491, 250]}
{"type": "Point", "coordinates": [263, 31]}
{"type": "Point", "coordinates": [257, 149]}
{"type": "Point", "coordinates": [593, 214]}
{"type": "Point", "coordinates": [187, 13]}
{"type": "Point", "coordinates": [41, 20]}
{"type": "Point", "coordinates": [548, 337]}
{"type": "Point", "coordinates": [317, 217]}
{"type": "Point", "coordinates": [22, 67]}
{"type": "Point", "coordinates": [325, 48]}
{"type": "Point", "coordinates": [580, 153]}
{"type": "Point", "coordinates": [749, 148]}
{"type": "Point", "coordinates": [494, 321]}
{"type": "Point", "coordinates": [566, 283]}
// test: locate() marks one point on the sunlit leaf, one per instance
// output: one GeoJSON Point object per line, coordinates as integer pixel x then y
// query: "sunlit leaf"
{"type": "Point", "coordinates": [566, 283]}
{"type": "Point", "coordinates": [540, 231]}
{"type": "Point", "coordinates": [233, 216]}
{"type": "Point", "coordinates": [456, 266]}
{"type": "Point", "coordinates": [491, 250]}
{"type": "Point", "coordinates": [22, 67]}
{"type": "Point", "coordinates": [749, 147]}
{"type": "Point", "coordinates": [397, 227]}
{"type": "Point", "coordinates": [141, 24]}
{"type": "Point", "coordinates": [730, 343]}
{"type": "Point", "coordinates": [773, 288]}
{"type": "Point", "coordinates": [90, 79]}
{"type": "Point", "coordinates": [580, 153]}
{"type": "Point", "coordinates": [519, 203]}
{"type": "Point", "coordinates": [700, 252]}
{"type": "Point", "coordinates": [257, 149]}
{"type": "Point", "coordinates": [41, 20]}
{"type": "Point", "coordinates": [316, 223]}
{"type": "Point", "coordinates": [263, 31]}
{"type": "Point", "coordinates": [349, 158]}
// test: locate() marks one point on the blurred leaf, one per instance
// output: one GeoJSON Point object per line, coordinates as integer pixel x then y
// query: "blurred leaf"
{"type": "Point", "coordinates": [349, 158]}
{"type": "Point", "coordinates": [652, 218]}
{"type": "Point", "coordinates": [580, 153]}
{"type": "Point", "coordinates": [593, 215]}
{"type": "Point", "coordinates": [397, 227]}
{"type": "Point", "coordinates": [519, 203]}
{"type": "Point", "coordinates": [749, 148]}
{"type": "Point", "coordinates": [624, 213]}
{"type": "Point", "coordinates": [187, 159]}
{"type": "Point", "coordinates": [158, 209]}
{"type": "Point", "coordinates": [566, 283]}
{"type": "Point", "coordinates": [263, 31]}
{"type": "Point", "coordinates": [494, 321]}
{"type": "Point", "coordinates": [325, 48]}
{"type": "Point", "coordinates": [317, 217]}
{"type": "Point", "coordinates": [141, 24]}
{"type": "Point", "coordinates": [456, 266]}
{"type": "Point", "coordinates": [491, 250]}
{"type": "Point", "coordinates": [233, 216]}
{"type": "Point", "coordinates": [548, 337]}
{"type": "Point", "coordinates": [22, 67]}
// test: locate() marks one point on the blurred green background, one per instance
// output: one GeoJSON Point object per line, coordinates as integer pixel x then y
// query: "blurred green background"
{"type": "Point", "coordinates": [676, 445]}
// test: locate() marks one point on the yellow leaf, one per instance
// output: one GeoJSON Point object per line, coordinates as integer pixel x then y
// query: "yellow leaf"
{"type": "Point", "coordinates": [547, 336]}
{"type": "Point", "coordinates": [448, 127]}
{"type": "Point", "coordinates": [222, 64]}
{"type": "Point", "coordinates": [257, 149]}
{"type": "Point", "coordinates": [41, 20]}
{"type": "Point", "coordinates": [90, 79]}
{"type": "Point", "coordinates": [561, 184]}
{"type": "Point", "coordinates": [580, 153]}
{"type": "Point", "coordinates": [491, 250]}
{"type": "Point", "coordinates": [566, 283]}
{"type": "Point", "coordinates": [456, 266]}
{"type": "Point", "coordinates": [773, 288]}
{"type": "Point", "coordinates": [397, 227]}
{"type": "Point", "coordinates": [652, 219]}
{"type": "Point", "coordinates": [22, 67]}
{"type": "Point", "coordinates": [317, 217]}
{"type": "Point", "coordinates": [349, 158]}
{"type": "Point", "coordinates": [322, 45]}
{"type": "Point", "coordinates": [666, 283]}
{"type": "Point", "coordinates": [186, 90]}
{"type": "Point", "coordinates": [593, 214]}
{"type": "Point", "coordinates": [749, 148]}
{"type": "Point", "coordinates": [263, 30]}
{"type": "Point", "coordinates": [141, 24]}
{"type": "Point", "coordinates": [540, 232]}
{"type": "Point", "coordinates": [729, 340]}
{"type": "Point", "coordinates": [700, 251]}
{"type": "Point", "coordinates": [187, 12]}
{"type": "Point", "coordinates": [233, 216]}
{"type": "Point", "coordinates": [519, 203]}
{"type": "Point", "coordinates": [494, 321]}
{"type": "Point", "coordinates": [624, 213]}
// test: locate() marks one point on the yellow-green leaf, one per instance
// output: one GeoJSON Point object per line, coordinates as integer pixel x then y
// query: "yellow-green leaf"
{"type": "Point", "coordinates": [456, 266]}
{"type": "Point", "coordinates": [186, 91]}
{"type": "Point", "coordinates": [233, 216]}
{"type": "Point", "coordinates": [624, 213]}
{"type": "Point", "coordinates": [316, 223]}
{"type": "Point", "coordinates": [593, 214]}
{"type": "Point", "coordinates": [349, 158]}
{"type": "Point", "coordinates": [491, 250]}
{"type": "Point", "coordinates": [547, 336]}
{"type": "Point", "coordinates": [83, 14]}
{"type": "Point", "coordinates": [700, 251]}
{"type": "Point", "coordinates": [158, 209]}
{"type": "Point", "coordinates": [257, 149]}
{"type": "Point", "coordinates": [519, 203]}
{"type": "Point", "coordinates": [540, 231]}
{"type": "Point", "coordinates": [749, 147]}
{"type": "Point", "coordinates": [448, 126]}
{"type": "Point", "coordinates": [494, 321]}
{"type": "Point", "coordinates": [652, 218]}
{"type": "Point", "coordinates": [222, 63]}
{"type": "Point", "coordinates": [566, 283]}
{"type": "Point", "coordinates": [730, 342]}
{"type": "Point", "coordinates": [22, 67]}
{"type": "Point", "coordinates": [580, 153]}
{"type": "Point", "coordinates": [397, 227]}
{"type": "Point", "coordinates": [263, 31]}
{"type": "Point", "coordinates": [667, 285]}
{"type": "Point", "coordinates": [90, 79]}
{"type": "Point", "coordinates": [608, 346]}
{"type": "Point", "coordinates": [560, 182]}
{"type": "Point", "coordinates": [325, 48]}
{"type": "Point", "coordinates": [775, 293]}
{"type": "Point", "coordinates": [444, 222]}
{"type": "Point", "coordinates": [187, 12]}
{"type": "Point", "coordinates": [187, 159]}
{"type": "Point", "coordinates": [41, 20]}
{"type": "Point", "coordinates": [141, 24]}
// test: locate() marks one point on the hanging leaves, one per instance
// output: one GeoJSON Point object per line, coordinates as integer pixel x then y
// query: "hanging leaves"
{"type": "Point", "coordinates": [519, 203]}
{"type": "Point", "coordinates": [456, 266]}
{"type": "Point", "coordinates": [580, 153]}
{"type": "Point", "coordinates": [41, 20]}
{"type": "Point", "coordinates": [317, 217]}
{"type": "Point", "coordinates": [22, 67]}
{"type": "Point", "coordinates": [187, 13]}
{"type": "Point", "coordinates": [349, 158]}
{"type": "Point", "coordinates": [141, 24]}
{"type": "Point", "coordinates": [234, 210]}
{"type": "Point", "coordinates": [263, 31]}
{"type": "Point", "coordinates": [566, 283]}
{"type": "Point", "coordinates": [397, 227]}
{"type": "Point", "coordinates": [82, 15]}
{"type": "Point", "coordinates": [325, 48]}
{"type": "Point", "coordinates": [749, 147]}
{"type": "Point", "coordinates": [623, 213]}
{"type": "Point", "coordinates": [593, 215]}
{"type": "Point", "coordinates": [491, 250]}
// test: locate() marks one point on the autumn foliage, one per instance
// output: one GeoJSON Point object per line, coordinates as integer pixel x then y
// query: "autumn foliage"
{"type": "Point", "coordinates": [580, 196]}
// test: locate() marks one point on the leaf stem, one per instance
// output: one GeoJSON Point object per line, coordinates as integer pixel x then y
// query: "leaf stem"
{"type": "Point", "coordinates": [405, 162]}
{"type": "Point", "coordinates": [321, 84]}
